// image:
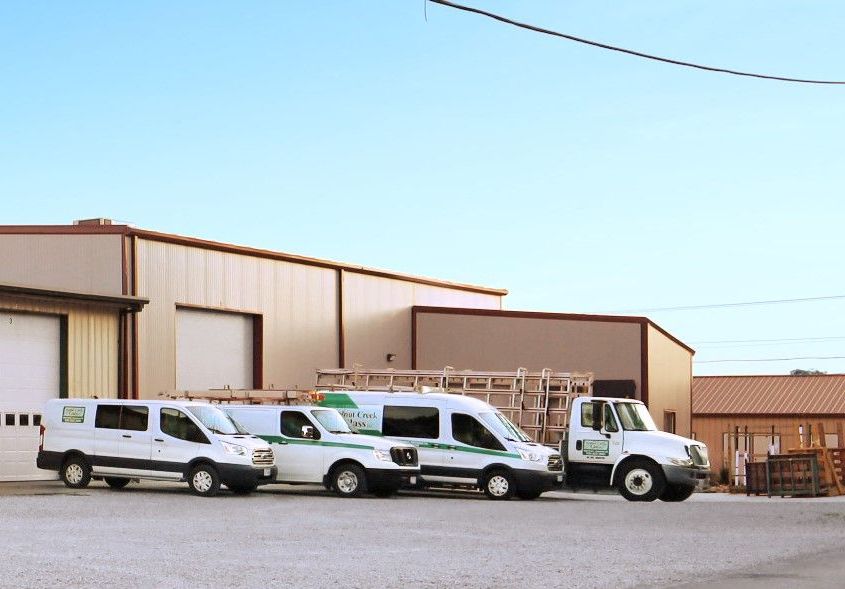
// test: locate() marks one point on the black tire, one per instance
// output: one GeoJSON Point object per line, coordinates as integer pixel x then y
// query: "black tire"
{"type": "Point", "coordinates": [640, 480]}
{"type": "Point", "coordinates": [499, 485]}
{"type": "Point", "coordinates": [349, 480]}
{"type": "Point", "coordinates": [528, 495]}
{"type": "Point", "coordinates": [76, 472]}
{"type": "Point", "coordinates": [242, 489]}
{"type": "Point", "coordinates": [115, 482]}
{"type": "Point", "coordinates": [204, 480]}
{"type": "Point", "coordinates": [676, 493]}
{"type": "Point", "coordinates": [384, 491]}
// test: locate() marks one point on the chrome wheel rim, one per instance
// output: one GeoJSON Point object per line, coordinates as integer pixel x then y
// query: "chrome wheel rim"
{"type": "Point", "coordinates": [202, 481]}
{"type": "Point", "coordinates": [347, 482]}
{"type": "Point", "coordinates": [498, 486]}
{"type": "Point", "coordinates": [74, 473]}
{"type": "Point", "coordinates": [639, 481]}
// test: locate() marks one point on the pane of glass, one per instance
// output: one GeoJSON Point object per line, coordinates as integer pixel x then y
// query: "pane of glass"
{"type": "Point", "coordinates": [108, 417]}
{"type": "Point", "coordinates": [23, 419]}
{"type": "Point", "coordinates": [587, 415]}
{"type": "Point", "coordinates": [36, 419]}
{"type": "Point", "coordinates": [217, 420]}
{"type": "Point", "coordinates": [134, 418]}
{"type": "Point", "coordinates": [411, 422]}
{"type": "Point", "coordinates": [470, 431]}
{"type": "Point", "coordinates": [10, 419]}
{"type": "Point", "coordinates": [609, 419]}
{"type": "Point", "coordinates": [292, 423]}
{"type": "Point", "coordinates": [179, 425]}
{"type": "Point", "coordinates": [331, 420]}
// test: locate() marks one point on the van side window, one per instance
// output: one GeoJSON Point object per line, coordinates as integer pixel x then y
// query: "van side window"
{"type": "Point", "coordinates": [292, 423]}
{"type": "Point", "coordinates": [411, 422]}
{"type": "Point", "coordinates": [177, 424]}
{"type": "Point", "coordinates": [108, 417]}
{"type": "Point", "coordinates": [468, 430]}
{"type": "Point", "coordinates": [134, 417]}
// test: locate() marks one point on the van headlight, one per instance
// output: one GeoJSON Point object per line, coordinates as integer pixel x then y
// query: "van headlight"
{"type": "Point", "coordinates": [234, 449]}
{"type": "Point", "coordinates": [382, 455]}
{"type": "Point", "coordinates": [681, 461]}
{"type": "Point", "coordinates": [529, 455]}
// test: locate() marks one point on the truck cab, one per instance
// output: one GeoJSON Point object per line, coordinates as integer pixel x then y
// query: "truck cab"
{"type": "Point", "coordinates": [615, 443]}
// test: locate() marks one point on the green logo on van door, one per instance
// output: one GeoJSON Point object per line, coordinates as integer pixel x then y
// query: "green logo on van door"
{"type": "Point", "coordinates": [73, 414]}
{"type": "Point", "coordinates": [596, 447]}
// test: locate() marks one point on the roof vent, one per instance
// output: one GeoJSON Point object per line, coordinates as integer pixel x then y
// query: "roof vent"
{"type": "Point", "coordinates": [95, 221]}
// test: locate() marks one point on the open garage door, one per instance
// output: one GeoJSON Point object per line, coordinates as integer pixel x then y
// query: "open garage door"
{"type": "Point", "coordinates": [29, 375]}
{"type": "Point", "coordinates": [214, 350]}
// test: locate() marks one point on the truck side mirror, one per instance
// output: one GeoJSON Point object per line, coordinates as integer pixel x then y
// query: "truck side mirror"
{"type": "Point", "coordinates": [308, 432]}
{"type": "Point", "coordinates": [598, 416]}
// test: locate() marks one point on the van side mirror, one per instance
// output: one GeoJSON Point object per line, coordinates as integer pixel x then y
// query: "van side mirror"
{"type": "Point", "coordinates": [598, 416]}
{"type": "Point", "coordinates": [308, 432]}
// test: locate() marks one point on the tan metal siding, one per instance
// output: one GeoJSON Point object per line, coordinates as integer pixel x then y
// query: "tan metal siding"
{"type": "Point", "coordinates": [669, 380]}
{"type": "Point", "coordinates": [298, 304]}
{"type": "Point", "coordinates": [784, 394]}
{"type": "Point", "coordinates": [611, 350]}
{"type": "Point", "coordinates": [92, 344]}
{"type": "Point", "coordinates": [377, 316]}
{"type": "Point", "coordinates": [82, 263]}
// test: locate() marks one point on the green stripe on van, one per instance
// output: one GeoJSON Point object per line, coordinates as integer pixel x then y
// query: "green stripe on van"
{"type": "Point", "coordinates": [456, 448]}
{"type": "Point", "coordinates": [338, 401]}
{"type": "Point", "coordinates": [305, 442]}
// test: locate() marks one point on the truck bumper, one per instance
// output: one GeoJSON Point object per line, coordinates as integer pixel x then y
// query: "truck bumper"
{"type": "Point", "coordinates": [683, 475]}
{"type": "Point", "coordinates": [538, 480]}
{"type": "Point", "coordinates": [241, 475]}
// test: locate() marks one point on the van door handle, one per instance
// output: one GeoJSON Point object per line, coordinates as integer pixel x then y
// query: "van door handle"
{"type": "Point", "coordinates": [159, 439]}
{"type": "Point", "coordinates": [126, 436]}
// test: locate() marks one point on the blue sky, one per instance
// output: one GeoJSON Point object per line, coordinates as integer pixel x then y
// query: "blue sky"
{"type": "Point", "coordinates": [461, 148]}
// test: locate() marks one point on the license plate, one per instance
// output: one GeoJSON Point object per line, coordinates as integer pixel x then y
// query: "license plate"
{"type": "Point", "coordinates": [560, 478]}
{"type": "Point", "coordinates": [266, 472]}
{"type": "Point", "coordinates": [413, 480]}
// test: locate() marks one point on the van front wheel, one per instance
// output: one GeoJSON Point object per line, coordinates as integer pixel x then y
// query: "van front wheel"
{"type": "Point", "coordinates": [349, 480]}
{"type": "Point", "coordinates": [76, 473]}
{"type": "Point", "coordinates": [204, 480]}
{"type": "Point", "coordinates": [498, 484]}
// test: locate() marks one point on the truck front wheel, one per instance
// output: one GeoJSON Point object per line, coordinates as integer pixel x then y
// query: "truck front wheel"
{"type": "Point", "coordinates": [676, 493]}
{"type": "Point", "coordinates": [640, 480]}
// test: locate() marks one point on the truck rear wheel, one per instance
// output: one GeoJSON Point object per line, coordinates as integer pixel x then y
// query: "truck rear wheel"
{"type": "Point", "coordinates": [76, 472]}
{"type": "Point", "coordinates": [640, 480]}
{"type": "Point", "coordinates": [676, 493]}
{"type": "Point", "coordinates": [498, 484]}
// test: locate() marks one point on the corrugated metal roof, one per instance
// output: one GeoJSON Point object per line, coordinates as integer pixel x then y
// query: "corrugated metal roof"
{"type": "Point", "coordinates": [769, 395]}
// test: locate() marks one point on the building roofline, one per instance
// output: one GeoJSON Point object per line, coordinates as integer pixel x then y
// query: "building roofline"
{"type": "Point", "coordinates": [172, 238]}
{"type": "Point", "coordinates": [768, 375]}
{"type": "Point", "coordinates": [559, 316]}
{"type": "Point", "coordinates": [128, 303]}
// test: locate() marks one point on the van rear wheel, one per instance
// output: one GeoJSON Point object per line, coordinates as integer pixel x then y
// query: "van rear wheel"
{"type": "Point", "coordinates": [204, 480]}
{"type": "Point", "coordinates": [115, 482]}
{"type": "Point", "coordinates": [76, 472]}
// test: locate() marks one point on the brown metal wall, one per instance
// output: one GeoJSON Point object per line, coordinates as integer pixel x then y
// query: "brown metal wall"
{"type": "Point", "coordinates": [377, 316]}
{"type": "Point", "coordinates": [669, 380]}
{"type": "Point", "coordinates": [611, 350]}
{"type": "Point", "coordinates": [81, 263]}
{"type": "Point", "coordinates": [710, 429]}
{"type": "Point", "coordinates": [92, 344]}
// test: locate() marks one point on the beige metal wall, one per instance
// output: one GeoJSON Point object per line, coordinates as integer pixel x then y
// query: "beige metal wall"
{"type": "Point", "coordinates": [298, 304]}
{"type": "Point", "coordinates": [377, 316]}
{"type": "Point", "coordinates": [92, 344]}
{"type": "Point", "coordinates": [80, 263]}
{"type": "Point", "coordinates": [669, 380]}
{"type": "Point", "coordinates": [611, 350]}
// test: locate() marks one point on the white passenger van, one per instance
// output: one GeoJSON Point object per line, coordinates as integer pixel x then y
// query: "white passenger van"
{"type": "Point", "coordinates": [315, 445]}
{"type": "Point", "coordinates": [461, 441]}
{"type": "Point", "coordinates": [161, 440]}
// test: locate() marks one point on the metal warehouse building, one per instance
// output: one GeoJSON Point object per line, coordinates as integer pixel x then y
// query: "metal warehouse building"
{"type": "Point", "coordinates": [111, 310]}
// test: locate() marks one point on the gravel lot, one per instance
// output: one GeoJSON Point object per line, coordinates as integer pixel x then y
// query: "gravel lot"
{"type": "Point", "coordinates": [159, 535]}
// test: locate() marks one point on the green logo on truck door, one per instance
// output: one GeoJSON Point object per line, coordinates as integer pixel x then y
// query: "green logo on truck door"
{"type": "Point", "coordinates": [596, 448]}
{"type": "Point", "coordinates": [73, 414]}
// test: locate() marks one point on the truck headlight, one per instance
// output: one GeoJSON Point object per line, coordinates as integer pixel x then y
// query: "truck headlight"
{"type": "Point", "coordinates": [681, 461]}
{"type": "Point", "coordinates": [230, 448]}
{"type": "Point", "coordinates": [529, 455]}
{"type": "Point", "coordinates": [382, 455]}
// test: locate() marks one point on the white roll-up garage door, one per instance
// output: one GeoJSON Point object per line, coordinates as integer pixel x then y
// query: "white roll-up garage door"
{"type": "Point", "coordinates": [213, 350]}
{"type": "Point", "coordinates": [29, 375]}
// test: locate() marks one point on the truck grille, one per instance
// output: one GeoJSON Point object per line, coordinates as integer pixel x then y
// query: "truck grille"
{"type": "Point", "coordinates": [404, 456]}
{"type": "Point", "coordinates": [555, 462]}
{"type": "Point", "coordinates": [699, 455]}
{"type": "Point", "coordinates": [262, 457]}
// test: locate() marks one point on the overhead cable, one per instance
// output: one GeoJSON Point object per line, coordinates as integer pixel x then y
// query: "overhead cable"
{"type": "Point", "coordinates": [629, 51]}
{"type": "Point", "coordinates": [742, 304]}
{"type": "Point", "coordinates": [769, 359]}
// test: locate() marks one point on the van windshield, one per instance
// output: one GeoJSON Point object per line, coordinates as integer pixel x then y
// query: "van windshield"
{"type": "Point", "coordinates": [216, 420]}
{"type": "Point", "coordinates": [635, 417]}
{"type": "Point", "coordinates": [504, 427]}
{"type": "Point", "coordinates": [331, 420]}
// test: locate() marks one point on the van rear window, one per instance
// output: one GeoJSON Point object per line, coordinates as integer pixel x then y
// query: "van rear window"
{"type": "Point", "coordinates": [129, 417]}
{"type": "Point", "coordinates": [108, 417]}
{"type": "Point", "coordinates": [411, 422]}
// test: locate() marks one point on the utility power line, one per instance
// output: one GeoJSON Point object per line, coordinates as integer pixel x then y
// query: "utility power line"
{"type": "Point", "coordinates": [727, 305]}
{"type": "Point", "coordinates": [754, 341]}
{"type": "Point", "coordinates": [769, 359]}
{"type": "Point", "coordinates": [720, 70]}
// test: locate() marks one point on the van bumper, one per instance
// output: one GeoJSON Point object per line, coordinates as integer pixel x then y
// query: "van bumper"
{"type": "Point", "coordinates": [392, 478]}
{"type": "Point", "coordinates": [538, 481]}
{"type": "Point", "coordinates": [241, 475]}
{"type": "Point", "coordinates": [684, 475]}
{"type": "Point", "coordinates": [49, 460]}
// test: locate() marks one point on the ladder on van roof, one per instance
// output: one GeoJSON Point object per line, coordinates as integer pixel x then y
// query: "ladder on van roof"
{"type": "Point", "coordinates": [538, 402]}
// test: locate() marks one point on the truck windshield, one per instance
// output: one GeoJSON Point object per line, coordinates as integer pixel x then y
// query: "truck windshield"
{"type": "Point", "coordinates": [635, 417]}
{"type": "Point", "coordinates": [504, 427]}
{"type": "Point", "coordinates": [331, 420]}
{"type": "Point", "coordinates": [216, 420]}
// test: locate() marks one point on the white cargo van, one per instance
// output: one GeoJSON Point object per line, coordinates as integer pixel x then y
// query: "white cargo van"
{"type": "Point", "coordinates": [161, 440]}
{"type": "Point", "coordinates": [461, 441]}
{"type": "Point", "coordinates": [315, 445]}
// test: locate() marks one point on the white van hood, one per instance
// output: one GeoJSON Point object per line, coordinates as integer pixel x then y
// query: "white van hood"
{"type": "Point", "coordinates": [248, 441]}
{"type": "Point", "coordinates": [544, 451]}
